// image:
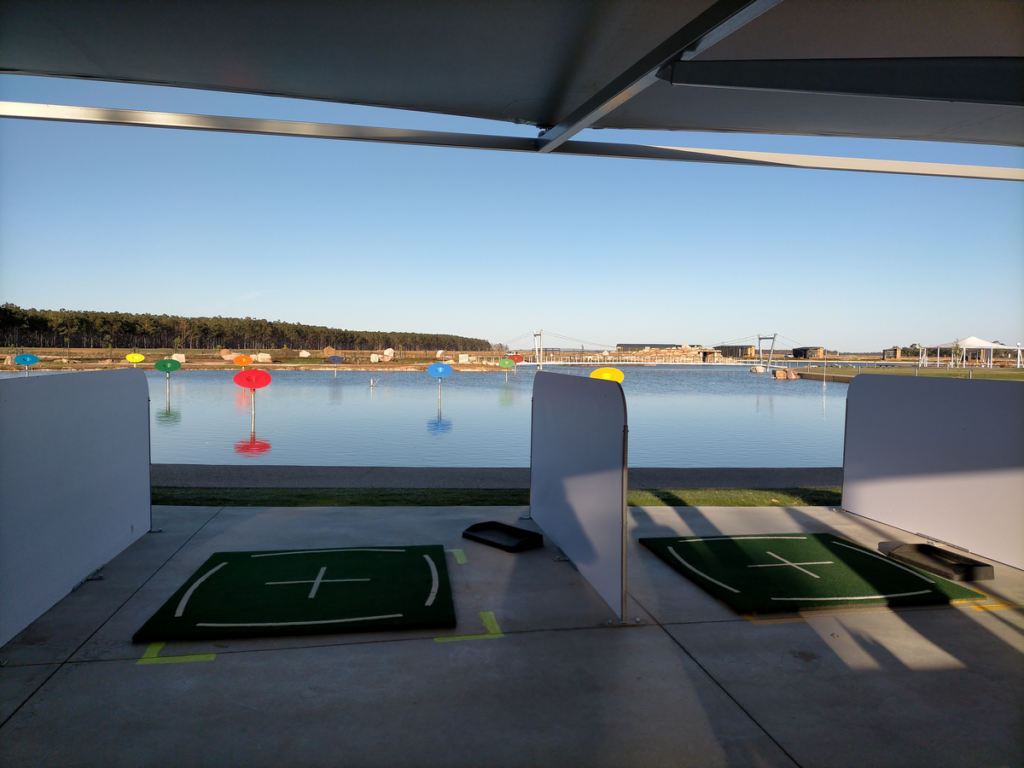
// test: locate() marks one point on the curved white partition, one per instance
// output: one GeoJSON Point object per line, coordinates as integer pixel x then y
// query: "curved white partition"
{"type": "Point", "coordinates": [74, 483]}
{"type": "Point", "coordinates": [939, 457]}
{"type": "Point", "coordinates": [578, 466]}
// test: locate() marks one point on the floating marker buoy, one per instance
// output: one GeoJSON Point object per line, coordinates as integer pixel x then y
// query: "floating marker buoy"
{"type": "Point", "coordinates": [608, 374]}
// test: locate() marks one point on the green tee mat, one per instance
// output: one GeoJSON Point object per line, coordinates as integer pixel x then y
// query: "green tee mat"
{"type": "Point", "coordinates": [769, 573]}
{"type": "Point", "coordinates": [300, 592]}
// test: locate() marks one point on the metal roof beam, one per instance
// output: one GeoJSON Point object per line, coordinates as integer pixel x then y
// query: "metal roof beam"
{"type": "Point", "coordinates": [220, 124]}
{"type": "Point", "coordinates": [979, 79]}
{"type": "Point", "coordinates": [260, 127]}
{"type": "Point", "coordinates": [714, 24]}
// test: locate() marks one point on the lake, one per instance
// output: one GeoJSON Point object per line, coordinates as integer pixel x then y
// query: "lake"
{"type": "Point", "coordinates": [706, 416]}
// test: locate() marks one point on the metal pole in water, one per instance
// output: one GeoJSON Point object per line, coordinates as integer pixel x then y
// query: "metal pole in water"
{"type": "Point", "coordinates": [253, 428]}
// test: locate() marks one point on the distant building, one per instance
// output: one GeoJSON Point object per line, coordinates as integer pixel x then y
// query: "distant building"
{"type": "Point", "coordinates": [893, 353]}
{"type": "Point", "coordinates": [709, 355]}
{"type": "Point", "coordinates": [736, 351]}
{"type": "Point", "coordinates": [642, 347]}
{"type": "Point", "coordinates": [808, 353]}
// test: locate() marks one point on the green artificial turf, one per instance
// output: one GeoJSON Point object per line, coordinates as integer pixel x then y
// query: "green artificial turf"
{"type": "Point", "coordinates": [457, 497]}
{"type": "Point", "coordinates": [769, 573]}
{"type": "Point", "coordinates": [252, 594]}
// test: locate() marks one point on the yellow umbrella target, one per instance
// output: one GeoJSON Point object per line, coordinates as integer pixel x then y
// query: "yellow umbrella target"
{"type": "Point", "coordinates": [608, 374]}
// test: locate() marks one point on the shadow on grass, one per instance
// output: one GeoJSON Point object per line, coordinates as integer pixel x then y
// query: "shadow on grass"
{"type": "Point", "coordinates": [737, 497]}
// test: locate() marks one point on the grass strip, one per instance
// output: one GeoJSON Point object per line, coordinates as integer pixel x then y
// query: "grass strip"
{"type": "Point", "coordinates": [737, 497]}
{"type": "Point", "coordinates": [994, 374]}
{"type": "Point", "coordinates": [456, 497]}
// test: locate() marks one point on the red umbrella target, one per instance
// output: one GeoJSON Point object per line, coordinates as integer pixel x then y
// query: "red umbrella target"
{"type": "Point", "coordinates": [252, 380]}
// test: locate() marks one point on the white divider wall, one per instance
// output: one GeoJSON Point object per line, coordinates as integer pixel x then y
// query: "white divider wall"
{"type": "Point", "coordinates": [74, 483]}
{"type": "Point", "coordinates": [578, 476]}
{"type": "Point", "coordinates": [941, 457]}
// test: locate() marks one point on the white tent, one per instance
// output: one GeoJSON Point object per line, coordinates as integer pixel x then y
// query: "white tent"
{"type": "Point", "coordinates": [960, 348]}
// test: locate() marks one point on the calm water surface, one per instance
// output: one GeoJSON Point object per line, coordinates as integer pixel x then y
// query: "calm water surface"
{"type": "Point", "coordinates": [678, 417]}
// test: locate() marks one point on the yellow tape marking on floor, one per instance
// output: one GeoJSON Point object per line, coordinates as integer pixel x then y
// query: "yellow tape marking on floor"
{"type": "Point", "coordinates": [490, 624]}
{"type": "Point", "coordinates": [784, 620]}
{"type": "Point", "coordinates": [151, 657]}
{"type": "Point", "coordinates": [1003, 607]}
{"type": "Point", "coordinates": [460, 556]}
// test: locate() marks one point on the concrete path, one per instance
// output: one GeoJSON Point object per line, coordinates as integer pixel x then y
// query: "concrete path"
{"type": "Point", "coordinates": [694, 685]}
{"type": "Point", "coordinates": [242, 476]}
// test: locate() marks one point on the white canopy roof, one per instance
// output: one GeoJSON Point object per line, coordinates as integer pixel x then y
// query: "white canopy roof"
{"type": "Point", "coordinates": [970, 342]}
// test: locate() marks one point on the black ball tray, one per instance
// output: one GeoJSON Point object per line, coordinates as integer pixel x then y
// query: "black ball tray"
{"type": "Point", "coordinates": [942, 562]}
{"type": "Point", "coordinates": [502, 536]}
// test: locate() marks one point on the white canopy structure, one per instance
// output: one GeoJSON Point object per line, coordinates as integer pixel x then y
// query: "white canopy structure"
{"type": "Point", "coordinates": [960, 351]}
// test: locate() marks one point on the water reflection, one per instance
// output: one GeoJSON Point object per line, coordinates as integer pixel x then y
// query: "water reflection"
{"type": "Point", "coordinates": [168, 417]}
{"type": "Point", "coordinates": [697, 417]}
{"type": "Point", "coordinates": [439, 426]}
{"type": "Point", "coordinates": [253, 446]}
{"type": "Point", "coordinates": [243, 403]}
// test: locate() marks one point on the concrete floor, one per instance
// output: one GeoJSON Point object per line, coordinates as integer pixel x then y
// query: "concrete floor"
{"type": "Point", "coordinates": [696, 684]}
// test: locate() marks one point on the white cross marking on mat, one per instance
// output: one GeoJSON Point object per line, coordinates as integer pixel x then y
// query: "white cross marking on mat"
{"type": "Point", "coordinates": [315, 582]}
{"type": "Point", "coordinates": [794, 565]}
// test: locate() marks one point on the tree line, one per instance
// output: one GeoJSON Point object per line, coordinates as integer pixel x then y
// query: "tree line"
{"type": "Point", "coordinates": [73, 328]}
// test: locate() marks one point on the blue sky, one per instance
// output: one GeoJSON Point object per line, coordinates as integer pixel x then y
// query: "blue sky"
{"type": "Point", "coordinates": [493, 244]}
